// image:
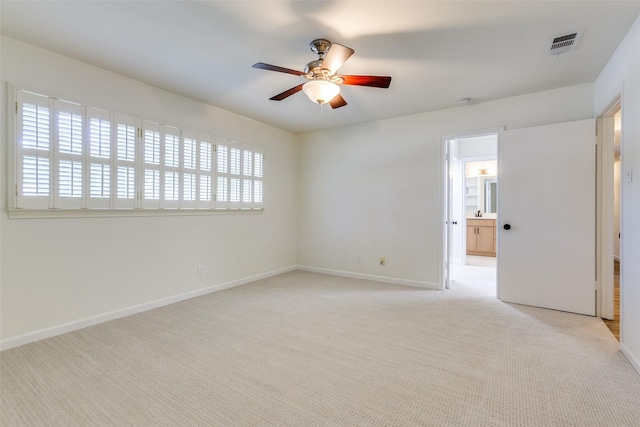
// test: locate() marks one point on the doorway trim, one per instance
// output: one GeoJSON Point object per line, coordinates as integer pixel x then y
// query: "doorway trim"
{"type": "Point", "coordinates": [604, 208]}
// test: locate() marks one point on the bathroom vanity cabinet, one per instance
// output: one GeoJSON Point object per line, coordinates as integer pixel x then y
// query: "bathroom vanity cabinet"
{"type": "Point", "coordinates": [481, 237]}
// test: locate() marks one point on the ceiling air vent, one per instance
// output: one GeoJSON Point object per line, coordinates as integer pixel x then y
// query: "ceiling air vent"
{"type": "Point", "coordinates": [563, 43]}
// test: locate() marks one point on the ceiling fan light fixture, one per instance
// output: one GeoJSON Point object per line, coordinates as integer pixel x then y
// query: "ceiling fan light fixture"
{"type": "Point", "coordinates": [320, 91]}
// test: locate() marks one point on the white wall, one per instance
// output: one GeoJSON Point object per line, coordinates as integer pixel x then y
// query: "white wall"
{"type": "Point", "coordinates": [621, 75]}
{"type": "Point", "coordinates": [480, 146]}
{"type": "Point", "coordinates": [56, 271]}
{"type": "Point", "coordinates": [374, 189]}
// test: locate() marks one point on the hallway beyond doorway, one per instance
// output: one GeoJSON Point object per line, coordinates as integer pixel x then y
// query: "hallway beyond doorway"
{"type": "Point", "coordinates": [478, 274]}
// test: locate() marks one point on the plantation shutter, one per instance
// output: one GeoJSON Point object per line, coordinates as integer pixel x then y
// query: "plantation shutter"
{"type": "Point", "coordinates": [68, 157]}
{"type": "Point", "coordinates": [222, 173]}
{"type": "Point", "coordinates": [189, 170]}
{"type": "Point", "coordinates": [235, 175]}
{"type": "Point", "coordinates": [252, 193]}
{"type": "Point", "coordinates": [125, 162]}
{"type": "Point", "coordinates": [205, 172]}
{"type": "Point", "coordinates": [172, 179]}
{"type": "Point", "coordinates": [152, 166]}
{"type": "Point", "coordinates": [99, 158]}
{"type": "Point", "coordinates": [34, 153]}
{"type": "Point", "coordinates": [197, 162]}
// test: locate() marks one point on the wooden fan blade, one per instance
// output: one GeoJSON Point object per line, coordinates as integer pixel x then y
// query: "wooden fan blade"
{"type": "Point", "coordinates": [337, 102]}
{"type": "Point", "coordinates": [269, 67]}
{"type": "Point", "coordinates": [286, 93]}
{"type": "Point", "coordinates": [336, 56]}
{"type": "Point", "coordinates": [373, 81]}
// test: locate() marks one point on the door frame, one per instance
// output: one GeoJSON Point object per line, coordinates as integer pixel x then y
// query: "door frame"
{"type": "Point", "coordinates": [445, 197]}
{"type": "Point", "coordinates": [604, 208]}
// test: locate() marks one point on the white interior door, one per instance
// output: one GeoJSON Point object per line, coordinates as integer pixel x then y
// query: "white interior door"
{"type": "Point", "coordinates": [547, 197]}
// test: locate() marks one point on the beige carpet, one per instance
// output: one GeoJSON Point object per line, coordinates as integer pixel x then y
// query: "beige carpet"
{"type": "Point", "coordinates": [306, 349]}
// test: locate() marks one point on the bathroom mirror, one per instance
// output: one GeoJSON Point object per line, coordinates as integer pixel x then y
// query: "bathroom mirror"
{"type": "Point", "coordinates": [490, 194]}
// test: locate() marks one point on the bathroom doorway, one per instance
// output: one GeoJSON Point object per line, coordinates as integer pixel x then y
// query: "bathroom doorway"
{"type": "Point", "coordinates": [472, 203]}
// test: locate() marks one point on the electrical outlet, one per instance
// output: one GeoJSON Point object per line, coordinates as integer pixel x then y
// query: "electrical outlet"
{"type": "Point", "coordinates": [200, 270]}
{"type": "Point", "coordinates": [383, 261]}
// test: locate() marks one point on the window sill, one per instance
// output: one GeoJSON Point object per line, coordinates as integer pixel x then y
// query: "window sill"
{"type": "Point", "coordinates": [106, 213]}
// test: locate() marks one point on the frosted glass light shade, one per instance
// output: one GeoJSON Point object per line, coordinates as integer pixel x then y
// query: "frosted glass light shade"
{"type": "Point", "coordinates": [320, 91]}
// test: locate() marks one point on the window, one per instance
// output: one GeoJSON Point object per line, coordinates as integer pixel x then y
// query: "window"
{"type": "Point", "coordinates": [74, 156]}
{"type": "Point", "coordinates": [239, 175]}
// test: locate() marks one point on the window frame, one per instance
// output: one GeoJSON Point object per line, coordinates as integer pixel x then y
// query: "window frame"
{"type": "Point", "coordinates": [53, 205]}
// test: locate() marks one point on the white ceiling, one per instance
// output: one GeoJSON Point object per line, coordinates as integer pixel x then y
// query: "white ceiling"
{"type": "Point", "coordinates": [436, 51]}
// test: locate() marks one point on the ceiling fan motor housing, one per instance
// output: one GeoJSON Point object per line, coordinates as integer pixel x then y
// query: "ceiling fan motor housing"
{"type": "Point", "coordinates": [320, 46]}
{"type": "Point", "coordinates": [314, 68]}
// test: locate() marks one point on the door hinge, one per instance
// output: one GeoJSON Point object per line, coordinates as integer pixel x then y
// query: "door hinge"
{"type": "Point", "coordinates": [215, 148]}
{"type": "Point", "coordinates": [17, 190]}
{"type": "Point", "coordinates": [215, 197]}
{"type": "Point", "coordinates": [16, 107]}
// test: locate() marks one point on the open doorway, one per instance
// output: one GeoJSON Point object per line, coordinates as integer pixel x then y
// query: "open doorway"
{"type": "Point", "coordinates": [610, 197]}
{"type": "Point", "coordinates": [472, 203]}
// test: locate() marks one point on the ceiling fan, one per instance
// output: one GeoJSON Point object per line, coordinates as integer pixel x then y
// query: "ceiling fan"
{"type": "Point", "coordinates": [324, 84]}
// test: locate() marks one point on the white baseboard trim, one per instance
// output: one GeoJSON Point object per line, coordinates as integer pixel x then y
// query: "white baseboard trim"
{"type": "Point", "coordinates": [375, 278]}
{"type": "Point", "coordinates": [128, 311]}
{"type": "Point", "coordinates": [632, 359]}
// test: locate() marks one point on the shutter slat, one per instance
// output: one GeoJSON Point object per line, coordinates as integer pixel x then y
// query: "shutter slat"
{"type": "Point", "coordinates": [126, 142]}
{"type": "Point", "coordinates": [151, 147]}
{"type": "Point", "coordinates": [189, 153]}
{"type": "Point", "coordinates": [171, 150]}
{"type": "Point", "coordinates": [247, 167]}
{"type": "Point", "coordinates": [69, 128]}
{"type": "Point", "coordinates": [257, 192]}
{"type": "Point", "coordinates": [234, 161]}
{"type": "Point", "coordinates": [151, 184]}
{"type": "Point", "coordinates": [125, 186]}
{"type": "Point", "coordinates": [205, 156]}
{"type": "Point", "coordinates": [100, 138]}
{"type": "Point", "coordinates": [100, 180]}
{"type": "Point", "coordinates": [223, 159]}
{"type": "Point", "coordinates": [247, 193]}
{"type": "Point", "coordinates": [70, 178]}
{"type": "Point", "coordinates": [35, 126]}
{"type": "Point", "coordinates": [257, 168]}
{"type": "Point", "coordinates": [35, 176]}
{"type": "Point", "coordinates": [205, 187]}
{"type": "Point", "coordinates": [222, 190]}
{"type": "Point", "coordinates": [171, 185]}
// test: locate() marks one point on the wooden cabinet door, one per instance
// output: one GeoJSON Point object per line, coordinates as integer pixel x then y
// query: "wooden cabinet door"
{"type": "Point", "coordinates": [484, 239]}
{"type": "Point", "coordinates": [472, 238]}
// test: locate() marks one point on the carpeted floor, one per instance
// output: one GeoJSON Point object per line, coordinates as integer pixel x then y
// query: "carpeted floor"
{"type": "Point", "coordinates": [307, 349]}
